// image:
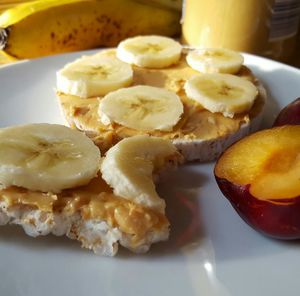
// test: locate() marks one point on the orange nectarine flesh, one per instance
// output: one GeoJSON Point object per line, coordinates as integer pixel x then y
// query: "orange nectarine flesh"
{"type": "Point", "coordinates": [268, 161]}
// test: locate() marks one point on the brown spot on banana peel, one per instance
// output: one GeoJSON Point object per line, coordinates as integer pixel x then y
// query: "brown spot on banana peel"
{"type": "Point", "coordinates": [4, 33]}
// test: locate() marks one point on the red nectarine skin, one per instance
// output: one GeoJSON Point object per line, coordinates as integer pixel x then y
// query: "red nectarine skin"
{"type": "Point", "coordinates": [279, 219]}
{"type": "Point", "coordinates": [289, 114]}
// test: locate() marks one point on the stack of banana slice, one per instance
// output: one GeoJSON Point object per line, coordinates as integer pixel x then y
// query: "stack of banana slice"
{"type": "Point", "coordinates": [202, 101]}
{"type": "Point", "coordinates": [53, 180]}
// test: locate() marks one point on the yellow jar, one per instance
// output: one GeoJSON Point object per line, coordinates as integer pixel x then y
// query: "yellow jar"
{"type": "Point", "coordinates": [264, 27]}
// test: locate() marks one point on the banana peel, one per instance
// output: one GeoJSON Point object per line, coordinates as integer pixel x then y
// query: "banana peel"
{"type": "Point", "coordinates": [46, 27]}
{"type": "Point", "coordinates": [171, 4]}
{"type": "Point", "coordinates": [6, 59]}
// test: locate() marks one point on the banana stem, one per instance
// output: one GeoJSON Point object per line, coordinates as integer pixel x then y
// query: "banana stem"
{"type": "Point", "coordinates": [3, 37]}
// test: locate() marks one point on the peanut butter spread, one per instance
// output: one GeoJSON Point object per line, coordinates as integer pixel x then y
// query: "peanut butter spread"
{"type": "Point", "coordinates": [94, 201]}
{"type": "Point", "coordinates": [195, 123]}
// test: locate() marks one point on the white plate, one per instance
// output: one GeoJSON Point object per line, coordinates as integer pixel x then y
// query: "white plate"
{"type": "Point", "coordinates": [211, 250]}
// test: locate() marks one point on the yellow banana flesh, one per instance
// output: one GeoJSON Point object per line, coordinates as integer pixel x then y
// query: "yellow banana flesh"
{"type": "Point", "coordinates": [47, 27]}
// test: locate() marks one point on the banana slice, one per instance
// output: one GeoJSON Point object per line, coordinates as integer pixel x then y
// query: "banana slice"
{"type": "Point", "coordinates": [224, 93]}
{"type": "Point", "coordinates": [215, 60]}
{"type": "Point", "coordinates": [46, 157]}
{"type": "Point", "coordinates": [149, 51]}
{"type": "Point", "coordinates": [94, 75]}
{"type": "Point", "coordinates": [128, 168]}
{"type": "Point", "coordinates": [141, 107]}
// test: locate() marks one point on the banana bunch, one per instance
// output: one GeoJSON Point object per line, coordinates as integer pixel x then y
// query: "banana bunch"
{"type": "Point", "coordinates": [172, 4]}
{"type": "Point", "coordinates": [45, 27]}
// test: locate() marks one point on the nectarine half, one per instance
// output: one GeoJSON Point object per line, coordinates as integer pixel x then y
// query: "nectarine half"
{"type": "Point", "coordinates": [290, 114]}
{"type": "Point", "coordinates": [260, 176]}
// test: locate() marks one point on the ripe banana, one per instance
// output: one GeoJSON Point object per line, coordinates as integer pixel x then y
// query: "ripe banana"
{"type": "Point", "coordinates": [149, 51]}
{"type": "Point", "coordinates": [224, 93]}
{"type": "Point", "coordinates": [215, 60]}
{"type": "Point", "coordinates": [46, 157]}
{"type": "Point", "coordinates": [94, 75]}
{"type": "Point", "coordinates": [172, 4]}
{"type": "Point", "coordinates": [128, 168]}
{"type": "Point", "coordinates": [47, 27]}
{"type": "Point", "coordinates": [143, 108]}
